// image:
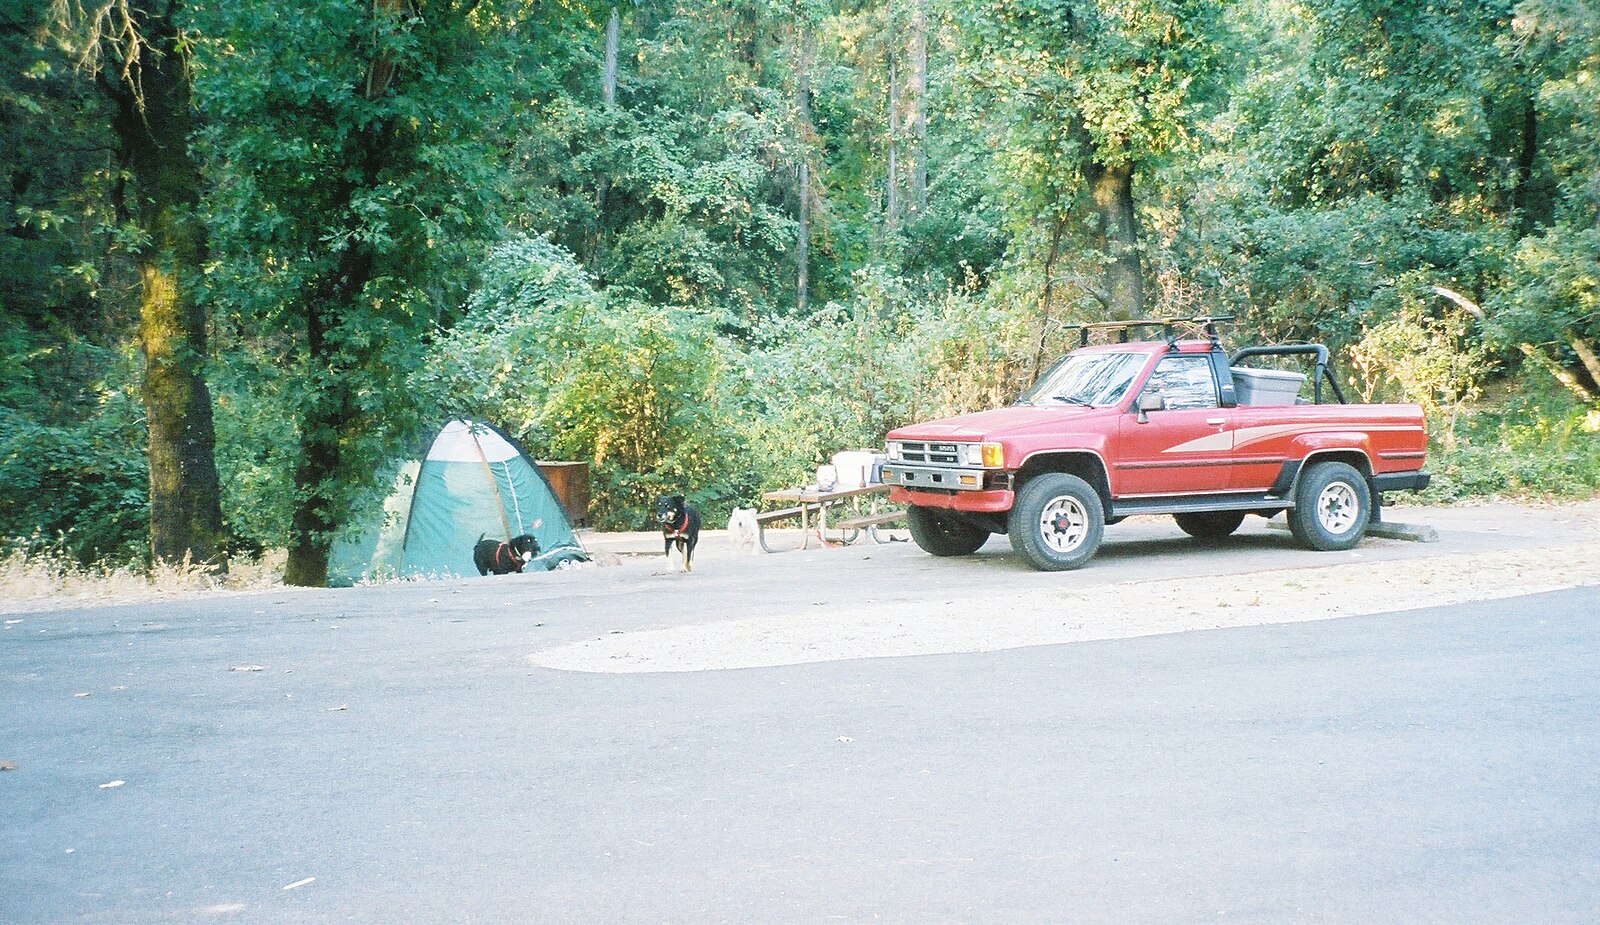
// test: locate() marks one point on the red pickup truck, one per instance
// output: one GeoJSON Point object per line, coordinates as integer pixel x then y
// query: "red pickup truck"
{"type": "Point", "coordinates": [1170, 426]}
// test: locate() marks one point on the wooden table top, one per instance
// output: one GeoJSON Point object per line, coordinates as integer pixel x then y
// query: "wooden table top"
{"type": "Point", "coordinates": [809, 494]}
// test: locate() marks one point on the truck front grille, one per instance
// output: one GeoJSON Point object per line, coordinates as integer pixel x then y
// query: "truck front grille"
{"type": "Point", "coordinates": [914, 452]}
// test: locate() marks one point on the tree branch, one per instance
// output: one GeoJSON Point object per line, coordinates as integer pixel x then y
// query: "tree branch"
{"type": "Point", "coordinates": [1470, 307]}
{"type": "Point", "coordinates": [1564, 376]}
{"type": "Point", "coordinates": [1586, 354]}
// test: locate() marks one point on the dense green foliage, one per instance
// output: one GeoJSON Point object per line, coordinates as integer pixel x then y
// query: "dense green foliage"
{"type": "Point", "coordinates": [420, 208]}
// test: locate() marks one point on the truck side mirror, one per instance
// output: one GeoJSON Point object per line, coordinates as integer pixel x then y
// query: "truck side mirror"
{"type": "Point", "coordinates": [1148, 402]}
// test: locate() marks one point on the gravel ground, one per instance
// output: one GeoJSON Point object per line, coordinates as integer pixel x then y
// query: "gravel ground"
{"type": "Point", "coordinates": [1117, 611]}
{"type": "Point", "coordinates": [1488, 551]}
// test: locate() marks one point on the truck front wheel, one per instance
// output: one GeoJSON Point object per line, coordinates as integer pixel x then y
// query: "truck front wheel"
{"type": "Point", "coordinates": [1057, 522]}
{"type": "Point", "coordinates": [942, 534]}
{"type": "Point", "coordinates": [1332, 507]}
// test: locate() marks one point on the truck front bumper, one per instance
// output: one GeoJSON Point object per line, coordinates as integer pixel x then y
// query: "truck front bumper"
{"type": "Point", "coordinates": [953, 488]}
{"type": "Point", "coordinates": [994, 501]}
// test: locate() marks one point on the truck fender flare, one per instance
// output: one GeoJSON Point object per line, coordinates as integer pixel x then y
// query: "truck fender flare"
{"type": "Point", "coordinates": [1289, 475]}
{"type": "Point", "coordinates": [1044, 461]}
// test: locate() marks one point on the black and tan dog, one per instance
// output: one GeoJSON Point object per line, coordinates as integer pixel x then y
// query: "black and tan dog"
{"type": "Point", "coordinates": [504, 558]}
{"type": "Point", "coordinates": [680, 526]}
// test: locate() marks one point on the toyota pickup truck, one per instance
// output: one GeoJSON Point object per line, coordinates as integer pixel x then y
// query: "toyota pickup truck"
{"type": "Point", "coordinates": [1169, 426]}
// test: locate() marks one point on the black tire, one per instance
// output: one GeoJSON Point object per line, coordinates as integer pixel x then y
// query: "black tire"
{"type": "Point", "coordinates": [1209, 525]}
{"type": "Point", "coordinates": [1332, 507]}
{"type": "Point", "coordinates": [942, 534]}
{"type": "Point", "coordinates": [1296, 529]}
{"type": "Point", "coordinates": [1057, 522]}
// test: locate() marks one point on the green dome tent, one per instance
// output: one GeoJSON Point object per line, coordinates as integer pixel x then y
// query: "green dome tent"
{"type": "Point", "coordinates": [474, 482]}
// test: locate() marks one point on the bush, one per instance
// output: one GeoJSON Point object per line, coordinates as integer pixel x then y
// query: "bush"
{"type": "Point", "coordinates": [646, 394]}
{"type": "Point", "coordinates": [657, 399]}
{"type": "Point", "coordinates": [81, 489]}
{"type": "Point", "coordinates": [1536, 444]}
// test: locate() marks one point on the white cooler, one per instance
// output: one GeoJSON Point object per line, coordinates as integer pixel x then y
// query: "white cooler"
{"type": "Point", "coordinates": [853, 468]}
{"type": "Point", "coordinates": [1266, 386]}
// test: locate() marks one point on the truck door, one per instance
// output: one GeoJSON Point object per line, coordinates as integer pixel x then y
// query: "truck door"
{"type": "Point", "coordinates": [1185, 448]}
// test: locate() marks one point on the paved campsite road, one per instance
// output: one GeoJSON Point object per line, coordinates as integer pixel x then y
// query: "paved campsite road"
{"type": "Point", "coordinates": [406, 753]}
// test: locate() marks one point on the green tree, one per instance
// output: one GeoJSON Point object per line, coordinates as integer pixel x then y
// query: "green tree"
{"type": "Point", "coordinates": [139, 57]}
{"type": "Point", "coordinates": [674, 192]}
{"type": "Point", "coordinates": [358, 169]}
{"type": "Point", "coordinates": [1087, 96]}
{"type": "Point", "coordinates": [1552, 310]}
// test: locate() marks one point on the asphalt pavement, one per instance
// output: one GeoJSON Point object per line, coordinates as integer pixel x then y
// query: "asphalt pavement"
{"type": "Point", "coordinates": [391, 754]}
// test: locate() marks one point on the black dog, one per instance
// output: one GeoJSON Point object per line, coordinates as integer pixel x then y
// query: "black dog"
{"type": "Point", "coordinates": [680, 524]}
{"type": "Point", "coordinates": [504, 558]}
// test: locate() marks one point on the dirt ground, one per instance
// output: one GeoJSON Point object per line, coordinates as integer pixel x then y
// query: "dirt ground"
{"type": "Point", "coordinates": [1047, 616]}
{"type": "Point", "coordinates": [1135, 608]}
{"type": "Point", "coordinates": [1486, 552]}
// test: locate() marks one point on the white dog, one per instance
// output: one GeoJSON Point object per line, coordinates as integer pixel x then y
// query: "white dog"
{"type": "Point", "coordinates": [743, 531]}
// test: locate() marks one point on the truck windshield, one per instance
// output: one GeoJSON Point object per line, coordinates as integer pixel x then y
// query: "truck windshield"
{"type": "Point", "coordinates": [1085, 379]}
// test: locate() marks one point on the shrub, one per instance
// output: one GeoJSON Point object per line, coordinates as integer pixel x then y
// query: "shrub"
{"type": "Point", "coordinates": [1535, 444]}
{"type": "Point", "coordinates": [81, 488]}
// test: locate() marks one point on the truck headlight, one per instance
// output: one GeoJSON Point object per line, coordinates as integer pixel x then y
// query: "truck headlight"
{"type": "Point", "coordinates": [987, 455]}
{"type": "Point", "coordinates": [893, 450]}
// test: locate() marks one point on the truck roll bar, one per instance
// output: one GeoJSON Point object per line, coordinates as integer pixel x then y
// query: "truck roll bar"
{"type": "Point", "coordinates": [1323, 371]}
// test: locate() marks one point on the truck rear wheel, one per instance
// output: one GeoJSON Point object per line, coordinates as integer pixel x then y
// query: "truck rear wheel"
{"type": "Point", "coordinates": [1332, 507]}
{"type": "Point", "coordinates": [942, 534]}
{"type": "Point", "coordinates": [1057, 522]}
{"type": "Point", "coordinates": [1209, 525]}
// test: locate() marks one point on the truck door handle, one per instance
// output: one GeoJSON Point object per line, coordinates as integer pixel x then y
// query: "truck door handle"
{"type": "Point", "coordinates": [1216, 422]}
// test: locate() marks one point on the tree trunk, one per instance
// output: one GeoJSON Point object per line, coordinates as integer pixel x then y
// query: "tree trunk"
{"type": "Point", "coordinates": [1586, 355]}
{"type": "Point", "coordinates": [1047, 295]}
{"type": "Point", "coordinates": [892, 185]}
{"type": "Point", "coordinates": [802, 243]}
{"type": "Point", "coordinates": [1526, 157]}
{"type": "Point", "coordinates": [331, 414]}
{"type": "Point", "coordinates": [918, 116]}
{"type": "Point", "coordinates": [608, 92]}
{"type": "Point", "coordinates": [802, 106]}
{"type": "Point", "coordinates": [311, 528]}
{"type": "Point", "coordinates": [320, 505]}
{"type": "Point", "coordinates": [317, 511]}
{"type": "Point", "coordinates": [153, 122]}
{"type": "Point", "coordinates": [1118, 236]}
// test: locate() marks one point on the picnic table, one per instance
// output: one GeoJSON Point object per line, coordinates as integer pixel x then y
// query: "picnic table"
{"type": "Point", "coordinates": [812, 504]}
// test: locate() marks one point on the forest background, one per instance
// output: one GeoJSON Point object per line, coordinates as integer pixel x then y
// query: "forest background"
{"type": "Point", "coordinates": [249, 251]}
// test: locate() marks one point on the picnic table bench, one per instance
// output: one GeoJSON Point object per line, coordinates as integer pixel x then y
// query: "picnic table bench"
{"type": "Point", "coordinates": [811, 503]}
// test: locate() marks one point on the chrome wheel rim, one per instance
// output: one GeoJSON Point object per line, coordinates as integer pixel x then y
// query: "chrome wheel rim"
{"type": "Point", "coordinates": [1338, 508]}
{"type": "Point", "coordinates": [1063, 524]}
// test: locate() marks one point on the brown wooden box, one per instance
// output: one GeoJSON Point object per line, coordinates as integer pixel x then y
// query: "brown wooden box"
{"type": "Point", "coordinates": [570, 481]}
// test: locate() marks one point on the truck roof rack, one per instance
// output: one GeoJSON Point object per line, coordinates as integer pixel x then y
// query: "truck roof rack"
{"type": "Point", "coordinates": [1170, 328]}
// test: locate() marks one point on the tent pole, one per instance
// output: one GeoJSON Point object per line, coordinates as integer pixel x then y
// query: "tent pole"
{"type": "Point", "coordinates": [516, 503]}
{"type": "Point", "coordinates": [505, 520]}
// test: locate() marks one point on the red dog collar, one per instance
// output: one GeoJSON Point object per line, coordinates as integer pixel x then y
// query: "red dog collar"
{"type": "Point", "coordinates": [510, 555]}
